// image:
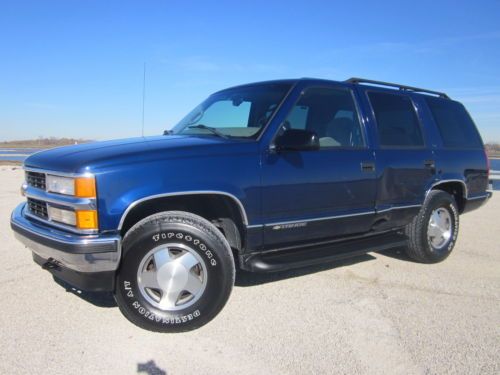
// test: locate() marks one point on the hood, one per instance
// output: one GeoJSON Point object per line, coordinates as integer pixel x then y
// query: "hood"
{"type": "Point", "coordinates": [99, 155]}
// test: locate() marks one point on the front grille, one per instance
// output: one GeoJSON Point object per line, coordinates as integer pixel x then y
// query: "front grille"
{"type": "Point", "coordinates": [35, 179]}
{"type": "Point", "coordinates": [37, 208]}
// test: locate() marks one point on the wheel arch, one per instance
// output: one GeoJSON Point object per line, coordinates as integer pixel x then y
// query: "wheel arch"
{"type": "Point", "coordinates": [223, 209]}
{"type": "Point", "coordinates": [455, 187]}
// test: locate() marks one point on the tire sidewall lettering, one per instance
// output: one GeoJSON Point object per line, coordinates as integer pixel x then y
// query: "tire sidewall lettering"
{"type": "Point", "coordinates": [200, 245]}
{"type": "Point", "coordinates": [132, 293]}
{"type": "Point", "coordinates": [202, 238]}
{"type": "Point", "coordinates": [174, 319]}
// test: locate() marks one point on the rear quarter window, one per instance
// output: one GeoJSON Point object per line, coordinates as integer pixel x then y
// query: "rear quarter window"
{"type": "Point", "coordinates": [397, 122]}
{"type": "Point", "coordinates": [454, 124]}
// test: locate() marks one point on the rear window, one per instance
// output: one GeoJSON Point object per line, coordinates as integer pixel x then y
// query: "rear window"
{"type": "Point", "coordinates": [397, 122]}
{"type": "Point", "coordinates": [454, 123]}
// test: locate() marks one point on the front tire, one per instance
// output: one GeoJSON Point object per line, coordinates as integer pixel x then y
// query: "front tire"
{"type": "Point", "coordinates": [177, 272]}
{"type": "Point", "coordinates": [432, 234]}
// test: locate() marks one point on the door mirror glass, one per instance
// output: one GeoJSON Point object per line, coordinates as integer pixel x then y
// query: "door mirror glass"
{"type": "Point", "coordinates": [297, 140]}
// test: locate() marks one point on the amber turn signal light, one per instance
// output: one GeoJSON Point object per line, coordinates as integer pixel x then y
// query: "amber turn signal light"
{"type": "Point", "coordinates": [86, 219]}
{"type": "Point", "coordinates": [85, 187]}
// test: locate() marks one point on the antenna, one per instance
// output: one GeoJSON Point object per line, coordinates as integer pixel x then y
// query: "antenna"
{"type": "Point", "coordinates": [143, 97]}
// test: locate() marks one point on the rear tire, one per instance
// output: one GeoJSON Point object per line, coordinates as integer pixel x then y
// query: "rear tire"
{"type": "Point", "coordinates": [432, 234]}
{"type": "Point", "coordinates": [177, 272]}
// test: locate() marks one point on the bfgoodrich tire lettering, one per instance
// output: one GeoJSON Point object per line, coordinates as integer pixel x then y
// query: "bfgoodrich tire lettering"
{"type": "Point", "coordinates": [182, 232]}
{"type": "Point", "coordinates": [421, 246]}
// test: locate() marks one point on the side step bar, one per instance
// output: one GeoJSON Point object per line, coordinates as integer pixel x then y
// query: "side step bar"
{"type": "Point", "coordinates": [308, 256]}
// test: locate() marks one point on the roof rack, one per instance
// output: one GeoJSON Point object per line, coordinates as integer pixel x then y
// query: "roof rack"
{"type": "Point", "coordinates": [400, 87]}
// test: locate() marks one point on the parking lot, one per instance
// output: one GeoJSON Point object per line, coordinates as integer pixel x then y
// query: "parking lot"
{"type": "Point", "coordinates": [376, 314]}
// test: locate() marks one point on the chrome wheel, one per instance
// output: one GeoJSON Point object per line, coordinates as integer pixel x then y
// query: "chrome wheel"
{"type": "Point", "coordinates": [172, 277]}
{"type": "Point", "coordinates": [439, 230]}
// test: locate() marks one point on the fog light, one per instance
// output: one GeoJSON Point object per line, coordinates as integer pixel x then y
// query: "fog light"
{"type": "Point", "coordinates": [86, 219]}
{"type": "Point", "coordinates": [61, 216]}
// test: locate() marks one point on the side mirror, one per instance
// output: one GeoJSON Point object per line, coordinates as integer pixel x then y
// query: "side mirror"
{"type": "Point", "coordinates": [297, 140]}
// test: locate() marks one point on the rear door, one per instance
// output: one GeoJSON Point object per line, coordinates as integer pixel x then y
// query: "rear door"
{"type": "Point", "coordinates": [316, 195]}
{"type": "Point", "coordinates": [405, 162]}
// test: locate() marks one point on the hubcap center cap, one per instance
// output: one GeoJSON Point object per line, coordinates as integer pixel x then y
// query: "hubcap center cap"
{"type": "Point", "coordinates": [172, 276]}
{"type": "Point", "coordinates": [439, 230]}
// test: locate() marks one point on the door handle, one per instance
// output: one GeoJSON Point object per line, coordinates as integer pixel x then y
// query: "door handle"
{"type": "Point", "coordinates": [367, 166]}
{"type": "Point", "coordinates": [430, 164]}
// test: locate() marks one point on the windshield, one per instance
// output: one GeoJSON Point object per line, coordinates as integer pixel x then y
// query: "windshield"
{"type": "Point", "coordinates": [238, 112]}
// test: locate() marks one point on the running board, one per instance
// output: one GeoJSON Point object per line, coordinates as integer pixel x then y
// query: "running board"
{"type": "Point", "coordinates": [308, 256]}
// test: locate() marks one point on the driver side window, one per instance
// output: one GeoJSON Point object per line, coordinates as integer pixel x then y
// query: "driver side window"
{"type": "Point", "coordinates": [331, 114]}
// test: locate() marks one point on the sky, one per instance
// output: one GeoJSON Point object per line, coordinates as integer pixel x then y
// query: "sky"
{"type": "Point", "coordinates": [75, 68]}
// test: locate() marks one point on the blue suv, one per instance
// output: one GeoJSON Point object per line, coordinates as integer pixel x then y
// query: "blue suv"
{"type": "Point", "coordinates": [261, 177]}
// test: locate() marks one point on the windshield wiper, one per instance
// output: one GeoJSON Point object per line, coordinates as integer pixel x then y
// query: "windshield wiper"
{"type": "Point", "coordinates": [209, 128]}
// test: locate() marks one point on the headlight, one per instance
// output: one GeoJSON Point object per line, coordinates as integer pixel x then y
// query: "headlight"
{"type": "Point", "coordinates": [60, 185]}
{"type": "Point", "coordinates": [82, 187]}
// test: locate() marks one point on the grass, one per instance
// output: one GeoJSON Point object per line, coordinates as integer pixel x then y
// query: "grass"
{"type": "Point", "coordinates": [10, 163]}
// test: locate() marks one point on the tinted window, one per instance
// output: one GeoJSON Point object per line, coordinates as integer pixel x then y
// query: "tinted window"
{"type": "Point", "coordinates": [331, 114]}
{"type": "Point", "coordinates": [238, 112]}
{"type": "Point", "coordinates": [225, 114]}
{"type": "Point", "coordinates": [397, 122]}
{"type": "Point", "coordinates": [297, 118]}
{"type": "Point", "coordinates": [454, 123]}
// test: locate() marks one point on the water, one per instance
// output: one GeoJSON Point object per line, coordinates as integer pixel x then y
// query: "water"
{"type": "Point", "coordinates": [495, 166]}
{"type": "Point", "coordinates": [16, 154]}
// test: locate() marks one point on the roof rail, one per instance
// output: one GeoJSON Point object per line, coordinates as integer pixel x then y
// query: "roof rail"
{"type": "Point", "coordinates": [400, 87]}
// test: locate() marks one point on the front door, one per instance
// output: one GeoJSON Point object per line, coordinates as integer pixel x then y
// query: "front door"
{"type": "Point", "coordinates": [311, 196]}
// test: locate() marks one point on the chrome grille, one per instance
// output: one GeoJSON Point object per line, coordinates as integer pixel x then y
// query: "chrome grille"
{"type": "Point", "coordinates": [37, 208]}
{"type": "Point", "coordinates": [35, 179]}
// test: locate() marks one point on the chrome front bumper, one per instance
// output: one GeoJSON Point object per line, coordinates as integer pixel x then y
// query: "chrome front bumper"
{"type": "Point", "coordinates": [74, 252]}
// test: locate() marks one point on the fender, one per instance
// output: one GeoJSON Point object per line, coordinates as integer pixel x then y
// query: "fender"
{"type": "Point", "coordinates": [439, 182]}
{"type": "Point", "coordinates": [179, 193]}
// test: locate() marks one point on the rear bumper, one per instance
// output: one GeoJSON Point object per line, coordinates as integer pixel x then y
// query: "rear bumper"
{"type": "Point", "coordinates": [476, 202]}
{"type": "Point", "coordinates": [86, 261]}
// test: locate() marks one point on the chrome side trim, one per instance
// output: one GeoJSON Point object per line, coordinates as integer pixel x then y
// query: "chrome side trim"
{"type": "Point", "coordinates": [181, 193]}
{"type": "Point", "coordinates": [334, 217]}
{"type": "Point", "coordinates": [399, 208]}
{"type": "Point", "coordinates": [483, 196]}
{"type": "Point", "coordinates": [255, 226]}
{"type": "Point", "coordinates": [466, 192]}
{"type": "Point", "coordinates": [319, 218]}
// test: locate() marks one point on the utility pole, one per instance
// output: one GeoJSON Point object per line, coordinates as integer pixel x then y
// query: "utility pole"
{"type": "Point", "coordinates": [143, 97]}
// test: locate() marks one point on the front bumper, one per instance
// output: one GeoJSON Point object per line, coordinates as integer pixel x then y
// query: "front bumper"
{"type": "Point", "coordinates": [87, 262]}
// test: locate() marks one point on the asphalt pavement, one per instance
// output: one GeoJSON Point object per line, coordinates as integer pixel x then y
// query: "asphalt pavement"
{"type": "Point", "coordinates": [375, 314]}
